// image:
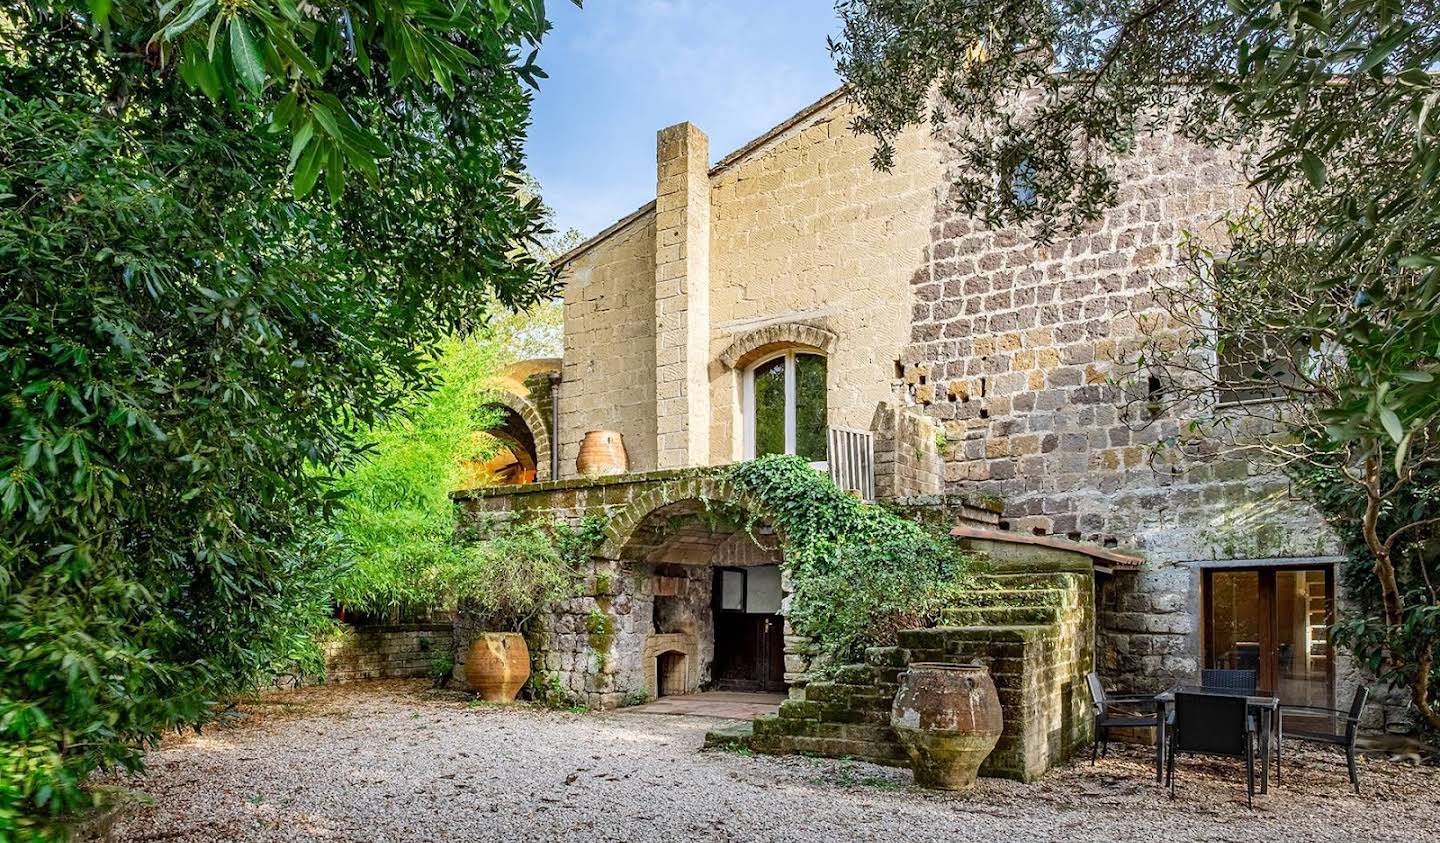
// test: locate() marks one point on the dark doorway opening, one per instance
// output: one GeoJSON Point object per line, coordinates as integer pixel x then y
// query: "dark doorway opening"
{"type": "Point", "coordinates": [749, 631]}
{"type": "Point", "coordinates": [670, 674]}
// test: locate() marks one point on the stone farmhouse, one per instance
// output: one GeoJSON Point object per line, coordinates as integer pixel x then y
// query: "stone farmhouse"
{"type": "Point", "coordinates": [790, 298]}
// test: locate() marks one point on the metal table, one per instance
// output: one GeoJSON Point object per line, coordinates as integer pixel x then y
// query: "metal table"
{"type": "Point", "coordinates": [1263, 703]}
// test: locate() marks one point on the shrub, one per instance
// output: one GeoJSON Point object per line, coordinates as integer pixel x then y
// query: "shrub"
{"type": "Point", "coordinates": [508, 578]}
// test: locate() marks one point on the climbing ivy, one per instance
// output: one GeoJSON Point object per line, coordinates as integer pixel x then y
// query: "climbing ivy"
{"type": "Point", "coordinates": [858, 572]}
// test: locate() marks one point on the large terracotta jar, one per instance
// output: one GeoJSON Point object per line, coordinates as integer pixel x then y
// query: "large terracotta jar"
{"type": "Point", "coordinates": [602, 453]}
{"type": "Point", "coordinates": [497, 665]}
{"type": "Point", "coordinates": [948, 717]}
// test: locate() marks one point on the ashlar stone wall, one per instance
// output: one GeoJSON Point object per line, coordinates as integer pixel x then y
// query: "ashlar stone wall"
{"type": "Point", "coordinates": [804, 230]}
{"type": "Point", "coordinates": [608, 377]}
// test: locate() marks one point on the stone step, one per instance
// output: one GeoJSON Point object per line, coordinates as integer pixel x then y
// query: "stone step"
{"type": "Point", "coordinates": [1027, 580]}
{"type": "Point", "coordinates": [736, 736]}
{"type": "Point", "coordinates": [1002, 616]}
{"type": "Point", "coordinates": [1007, 597]}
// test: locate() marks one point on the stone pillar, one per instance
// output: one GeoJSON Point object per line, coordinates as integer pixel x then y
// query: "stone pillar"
{"type": "Point", "coordinates": [682, 297]}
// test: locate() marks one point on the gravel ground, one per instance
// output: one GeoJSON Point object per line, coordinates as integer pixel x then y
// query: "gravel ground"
{"type": "Point", "coordinates": [396, 762]}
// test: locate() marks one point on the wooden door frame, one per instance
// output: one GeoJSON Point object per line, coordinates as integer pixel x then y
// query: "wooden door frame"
{"type": "Point", "coordinates": [1270, 629]}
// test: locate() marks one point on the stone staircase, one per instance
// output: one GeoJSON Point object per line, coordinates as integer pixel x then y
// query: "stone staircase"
{"type": "Point", "coordinates": [1034, 629]}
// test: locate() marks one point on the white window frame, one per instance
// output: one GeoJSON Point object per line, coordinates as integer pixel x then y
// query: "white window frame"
{"type": "Point", "coordinates": [747, 401]}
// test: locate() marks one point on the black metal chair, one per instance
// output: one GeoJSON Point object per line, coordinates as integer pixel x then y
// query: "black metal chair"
{"type": "Point", "coordinates": [1118, 711]}
{"type": "Point", "coordinates": [1213, 724]}
{"type": "Point", "coordinates": [1241, 681]}
{"type": "Point", "coordinates": [1303, 718]}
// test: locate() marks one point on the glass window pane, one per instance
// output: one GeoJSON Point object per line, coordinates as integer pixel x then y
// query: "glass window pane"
{"type": "Point", "coordinates": [1235, 621]}
{"type": "Point", "coordinates": [762, 589]}
{"type": "Point", "coordinates": [1302, 611]}
{"type": "Point", "coordinates": [810, 406]}
{"type": "Point", "coordinates": [732, 590]}
{"type": "Point", "coordinates": [770, 407]}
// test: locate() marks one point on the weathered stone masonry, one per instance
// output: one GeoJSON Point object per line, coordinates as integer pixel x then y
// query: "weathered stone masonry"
{"type": "Point", "coordinates": [1014, 349]}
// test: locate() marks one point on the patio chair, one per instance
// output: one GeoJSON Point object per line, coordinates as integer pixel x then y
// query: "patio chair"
{"type": "Point", "coordinates": [1243, 681]}
{"type": "Point", "coordinates": [1303, 728]}
{"type": "Point", "coordinates": [1213, 724]}
{"type": "Point", "coordinates": [1117, 711]}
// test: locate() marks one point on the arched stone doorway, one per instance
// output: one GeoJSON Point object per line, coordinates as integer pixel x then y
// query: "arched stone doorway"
{"type": "Point", "coordinates": [525, 453]}
{"type": "Point", "coordinates": [706, 590]}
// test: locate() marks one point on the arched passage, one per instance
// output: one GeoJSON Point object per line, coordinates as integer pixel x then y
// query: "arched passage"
{"type": "Point", "coordinates": [702, 568]}
{"type": "Point", "coordinates": [522, 430]}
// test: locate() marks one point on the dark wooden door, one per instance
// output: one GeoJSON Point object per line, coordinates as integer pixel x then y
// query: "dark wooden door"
{"type": "Point", "coordinates": [749, 651]}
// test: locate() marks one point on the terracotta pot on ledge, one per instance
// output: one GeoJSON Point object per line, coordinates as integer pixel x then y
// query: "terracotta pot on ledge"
{"type": "Point", "coordinates": [602, 453]}
{"type": "Point", "coordinates": [948, 717]}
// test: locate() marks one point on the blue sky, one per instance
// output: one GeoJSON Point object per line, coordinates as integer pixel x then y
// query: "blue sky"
{"type": "Point", "coordinates": [622, 69]}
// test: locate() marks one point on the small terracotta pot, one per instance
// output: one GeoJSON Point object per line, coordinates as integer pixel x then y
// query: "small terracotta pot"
{"type": "Point", "coordinates": [948, 717]}
{"type": "Point", "coordinates": [497, 665]}
{"type": "Point", "coordinates": [602, 453]}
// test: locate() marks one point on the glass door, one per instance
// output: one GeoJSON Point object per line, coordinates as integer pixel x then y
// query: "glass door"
{"type": "Point", "coordinates": [1276, 622]}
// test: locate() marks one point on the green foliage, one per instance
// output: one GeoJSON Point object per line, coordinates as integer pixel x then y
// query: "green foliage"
{"type": "Point", "coordinates": [859, 573]}
{"type": "Point", "coordinates": [184, 326]}
{"type": "Point", "coordinates": [1417, 562]}
{"type": "Point", "coordinates": [442, 666]}
{"type": "Point", "coordinates": [398, 521]}
{"type": "Point", "coordinates": [507, 578]}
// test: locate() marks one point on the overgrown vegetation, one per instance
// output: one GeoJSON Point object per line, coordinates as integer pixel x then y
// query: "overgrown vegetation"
{"type": "Point", "coordinates": [506, 578]}
{"type": "Point", "coordinates": [859, 573]}
{"type": "Point", "coordinates": [1417, 569]}
{"type": "Point", "coordinates": [398, 522]}
{"type": "Point", "coordinates": [188, 329]}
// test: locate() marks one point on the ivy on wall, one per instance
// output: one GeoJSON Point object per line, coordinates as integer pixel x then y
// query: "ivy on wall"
{"type": "Point", "coordinates": [858, 572]}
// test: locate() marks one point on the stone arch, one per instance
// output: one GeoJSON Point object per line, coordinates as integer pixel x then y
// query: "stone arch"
{"type": "Point", "coordinates": [752, 345]}
{"type": "Point", "coordinates": [625, 527]}
{"type": "Point", "coordinates": [536, 424]}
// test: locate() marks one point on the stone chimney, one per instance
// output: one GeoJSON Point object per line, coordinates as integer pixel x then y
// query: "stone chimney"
{"type": "Point", "coordinates": [682, 297]}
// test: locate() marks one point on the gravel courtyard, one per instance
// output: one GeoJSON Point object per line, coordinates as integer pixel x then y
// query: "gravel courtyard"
{"type": "Point", "coordinates": [394, 761]}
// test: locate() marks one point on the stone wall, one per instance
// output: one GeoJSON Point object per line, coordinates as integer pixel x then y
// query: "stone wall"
{"type": "Point", "coordinates": [591, 649]}
{"type": "Point", "coordinates": [609, 370]}
{"type": "Point", "coordinates": [804, 230]}
{"type": "Point", "coordinates": [908, 461]}
{"type": "Point", "coordinates": [1035, 633]}
{"type": "Point", "coordinates": [404, 651]}
{"type": "Point", "coordinates": [1015, 349]}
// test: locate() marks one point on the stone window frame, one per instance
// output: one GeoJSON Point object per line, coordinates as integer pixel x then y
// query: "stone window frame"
{"type": "Point", "coordinates": [756, 347]}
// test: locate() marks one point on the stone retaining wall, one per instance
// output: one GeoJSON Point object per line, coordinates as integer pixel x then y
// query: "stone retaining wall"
{"type": "Point", "coordinates": [404, 651]}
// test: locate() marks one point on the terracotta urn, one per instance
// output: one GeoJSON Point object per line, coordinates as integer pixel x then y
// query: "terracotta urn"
{"type": "Point", "coordinates": [497, 665]}
{"type": "Point", "coordinates": [948, 717]}
{"type": "Point", "coordinates": [602, 453]}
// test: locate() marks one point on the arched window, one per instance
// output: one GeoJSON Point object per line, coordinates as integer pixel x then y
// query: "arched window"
{"type": "Point", "coordinates": [784, 406]}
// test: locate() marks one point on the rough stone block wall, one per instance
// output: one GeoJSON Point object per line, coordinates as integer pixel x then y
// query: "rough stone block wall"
{"type": "Point", "coordinates": [908, 462]}
{"type": "Point", "coordinates": [1034, 632]}
{"type": "Point", "coordinates": [1015, 349]}
{"type": "Point", "coordinates": [403, 651]}
{"type": "Point", "coordinates": [609, 368]}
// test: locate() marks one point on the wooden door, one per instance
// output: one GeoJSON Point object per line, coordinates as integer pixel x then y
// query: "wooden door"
{"type": "Point", "coordinates": [749, 646]}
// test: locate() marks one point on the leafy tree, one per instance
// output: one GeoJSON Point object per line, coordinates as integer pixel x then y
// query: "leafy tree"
{"type": "Point", "coordinates": [188, 329]}
{"type": "Point", "coordinates": [1329, 105]}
